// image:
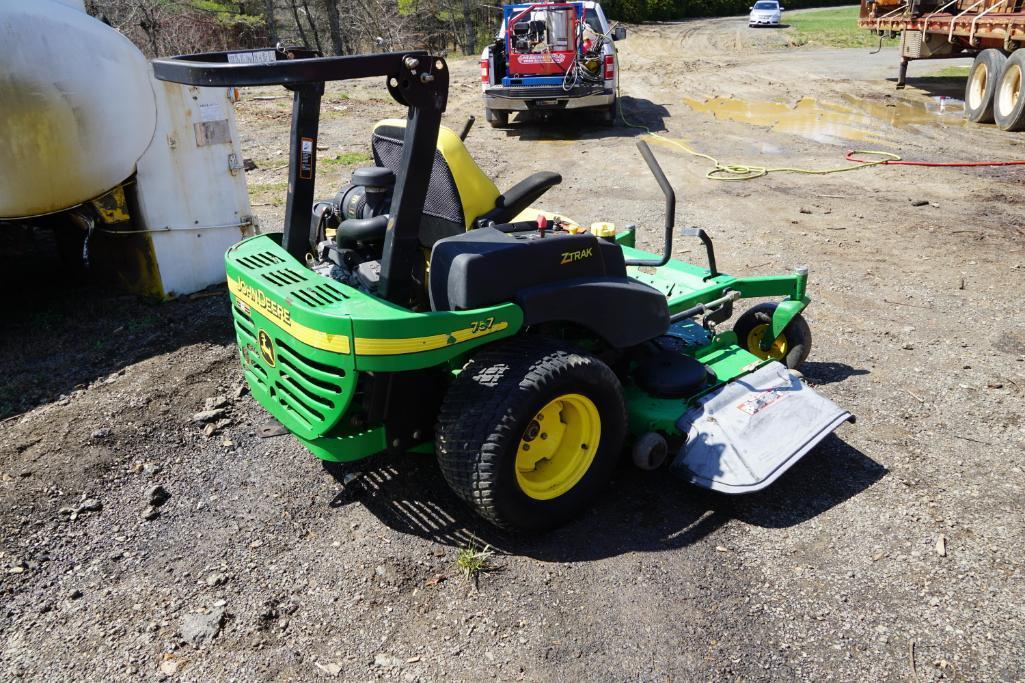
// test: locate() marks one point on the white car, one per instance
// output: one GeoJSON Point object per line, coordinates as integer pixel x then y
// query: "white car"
{"type": "Point", "coordinates": [765, 13]}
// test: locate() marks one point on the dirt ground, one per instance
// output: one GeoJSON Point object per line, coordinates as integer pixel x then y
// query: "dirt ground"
{"type": "Point", "coordinates": [894, 551]}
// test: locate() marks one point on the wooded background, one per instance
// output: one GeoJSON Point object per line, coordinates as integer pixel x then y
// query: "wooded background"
{"type": "Point", "coordinates": [335, 27]}
{"type": "Point", "coordinates": [341, 27]}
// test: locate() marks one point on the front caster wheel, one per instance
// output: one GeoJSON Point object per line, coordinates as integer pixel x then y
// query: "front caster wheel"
{"type": "Point", "coordinates": [790, 348]}
{"type": "Point", "coordinates": [530, 432]}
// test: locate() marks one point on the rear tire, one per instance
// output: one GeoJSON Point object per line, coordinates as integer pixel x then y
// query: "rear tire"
{"type": "Point", "coordinates": [608, 114]}
{"type": "Point", "coordinates": [790, 348]}
{"type": "Point", "coordinates": [982, 83]}
{"type": "Point", "coordinates": [497, 118]}
{"type": "Point", "coordinates": [1009, 94]}
{"type": "Point", "coordinates": [501, 402]}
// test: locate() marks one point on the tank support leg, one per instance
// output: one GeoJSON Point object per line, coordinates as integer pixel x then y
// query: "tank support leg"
{"type": "Point", "coordinates": [902, 75]}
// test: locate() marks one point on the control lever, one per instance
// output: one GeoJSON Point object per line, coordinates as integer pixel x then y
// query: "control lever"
{"type": "Point", "coordinates": [707, 241]}
{"type": "Point", "coordinates": [466, 127]}
{"type": "Point", "coordinates": [667, 190]}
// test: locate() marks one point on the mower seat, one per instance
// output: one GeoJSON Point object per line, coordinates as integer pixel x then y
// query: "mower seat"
{"type": "Point", "coordinates": [560, 277]}
{"type": "Point", "coordinates": [459, 195]}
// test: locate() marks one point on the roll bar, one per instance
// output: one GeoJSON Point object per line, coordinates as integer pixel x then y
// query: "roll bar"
{"type": "Point", "coordinates": [415, 79]}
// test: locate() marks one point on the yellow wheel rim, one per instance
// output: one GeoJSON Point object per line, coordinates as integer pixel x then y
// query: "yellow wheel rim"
{"type": "Point", "coordinates": [777, 351]}
{"type": "Point", "coordinates": [558, 447]}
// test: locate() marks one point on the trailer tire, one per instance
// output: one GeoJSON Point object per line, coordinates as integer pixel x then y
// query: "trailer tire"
{"type": "Point", "coordinates": [498, 407]}
{"type": "Point", "coordinates": [982, 84]}
{"type": "Point", "coordinates": [790, 348]}
{"type": "Point", "coordinates": [497, 118]}
{"type": "Point", "coordinates": [1009, 94]}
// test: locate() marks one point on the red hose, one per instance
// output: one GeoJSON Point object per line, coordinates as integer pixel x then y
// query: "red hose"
{"type": "Point", "coordinates": [936, 164]}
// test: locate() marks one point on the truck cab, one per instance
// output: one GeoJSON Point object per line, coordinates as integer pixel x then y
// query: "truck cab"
{"type": "Point", "coordinates": [551, 56]}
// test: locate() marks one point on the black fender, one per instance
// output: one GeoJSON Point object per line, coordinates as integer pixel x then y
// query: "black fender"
{"type": "Point", "coordinates": [620, 310]}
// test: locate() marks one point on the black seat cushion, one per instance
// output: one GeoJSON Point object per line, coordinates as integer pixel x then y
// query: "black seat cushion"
{"type": "Point", "coordinates": [668, 374]}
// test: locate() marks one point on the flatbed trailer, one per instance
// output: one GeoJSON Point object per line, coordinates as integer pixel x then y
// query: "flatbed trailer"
{"type": "Point", "coordinates": [990, 31]}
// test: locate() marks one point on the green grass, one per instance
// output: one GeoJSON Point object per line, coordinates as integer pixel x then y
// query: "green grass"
{"type": "Point", "coordinates": [952, 72]}
{"type": "Point", "coordinates": [829, 28]}
{"type": "Point", "coordinates": [260, 188]}
{"type": "Point", "coordinates": [344, 159]}
{"type": "Point", "coordinates": [474, 561]}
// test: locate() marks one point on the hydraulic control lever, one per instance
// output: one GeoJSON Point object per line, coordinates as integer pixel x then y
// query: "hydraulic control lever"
{"type": "Point", "coordinates": [667, 246]}
{"type": "Point", "coordinates": [667, 190]}
{"type": "Point", "coordinates": [709, 249]}
{"type": "Point", "coordinates": [466, 127]}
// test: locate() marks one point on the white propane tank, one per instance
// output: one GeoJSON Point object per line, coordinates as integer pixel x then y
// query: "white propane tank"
{"type": "Point", "coordinates": [77, 109]}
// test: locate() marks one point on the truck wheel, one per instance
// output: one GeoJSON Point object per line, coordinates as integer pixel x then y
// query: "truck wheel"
{"type": "Point", "coordinates": [790, 348]}
{"type": "Point", "coordinates": [497, 118]}
{"type": "Point", "coordinates": [1008, 98]}
{"type": "Point", "coordinates": [982, 83]}
{"type": "Point", "coordinates": [608, 114]}
{"type": "Point", "coordinates": [530, 432]}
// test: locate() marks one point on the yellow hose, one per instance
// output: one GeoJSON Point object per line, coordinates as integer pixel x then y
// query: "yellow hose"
{"type": "Point", "coordinates": [735, 172]}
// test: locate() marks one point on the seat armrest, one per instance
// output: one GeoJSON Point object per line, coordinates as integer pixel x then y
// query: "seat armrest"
{"type": "Point", "coordinates": [519, 197]}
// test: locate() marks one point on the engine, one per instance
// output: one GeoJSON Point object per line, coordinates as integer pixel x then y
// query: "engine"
{"type": "Point", "coordinates": [358, 217]}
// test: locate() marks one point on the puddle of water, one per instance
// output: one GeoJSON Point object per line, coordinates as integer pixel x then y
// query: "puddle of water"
{"type": "Point", "coordinates": [853, 119]}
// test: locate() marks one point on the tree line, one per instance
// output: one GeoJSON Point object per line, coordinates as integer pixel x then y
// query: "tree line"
{"type": "Point", "coordinates": [334, 27]}
{"type": "Point", "coordinates": [342, 27]}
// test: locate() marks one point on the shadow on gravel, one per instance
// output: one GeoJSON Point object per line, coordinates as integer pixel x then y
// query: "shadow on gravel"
{"type": "Point", "coordinates": [937, 86]}
{"type": "Point", "coordinates": [568, 125]}
{"type": "Point", "coordinates": [61, 331]}
{"type": "Point", "coordinates": [641, 511]}
{"type": "Point", "coordinates": [828, 373]}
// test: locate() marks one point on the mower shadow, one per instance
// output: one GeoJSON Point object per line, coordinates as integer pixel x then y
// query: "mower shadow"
{"type": "Point", "coordinates": [820, 373]}
{"type": "Point", "coordinates": [641, 512]}
{"type": "Point", "coordinates": [566, 126]}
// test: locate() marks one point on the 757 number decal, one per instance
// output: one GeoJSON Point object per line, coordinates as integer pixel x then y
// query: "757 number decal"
{"type": "Point", "coordinates": [478, 326]}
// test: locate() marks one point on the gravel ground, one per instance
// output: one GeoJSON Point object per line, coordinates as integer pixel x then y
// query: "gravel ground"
{"type": "Point", "coordinates": [138, 543]}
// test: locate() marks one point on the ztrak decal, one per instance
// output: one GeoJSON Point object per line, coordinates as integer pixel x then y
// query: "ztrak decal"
{"type": "Point", "coordinates": [571, 256]}
{"type": "Point", "coordinates": [267, 348]}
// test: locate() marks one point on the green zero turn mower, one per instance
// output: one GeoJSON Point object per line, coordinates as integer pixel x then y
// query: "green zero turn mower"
{"type": "Point", "coordinates": [423, 308]}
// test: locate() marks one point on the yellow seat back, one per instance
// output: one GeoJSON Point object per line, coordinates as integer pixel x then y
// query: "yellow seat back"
{"type": "Point", "coordinates": [477, 194]}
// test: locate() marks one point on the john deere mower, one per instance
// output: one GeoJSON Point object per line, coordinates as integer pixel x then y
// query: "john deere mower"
{"type": "Point", "coordinates": [424, 309]}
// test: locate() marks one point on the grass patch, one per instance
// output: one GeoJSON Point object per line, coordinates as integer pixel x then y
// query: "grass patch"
{"type": "Point", "coordinates": [261, 188]}
{"type": "Point", "coordinates": [829, 28]}
{"type": "Point", "coordinates": [473, 561]}
{"type": "Point", "coordinates": [952, 72]}
{"type": "Point", "coordinates": [344, 159]}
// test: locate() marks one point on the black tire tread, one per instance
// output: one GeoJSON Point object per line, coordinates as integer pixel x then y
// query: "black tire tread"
{"type": "Point", "coordinates": [474, 419]}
